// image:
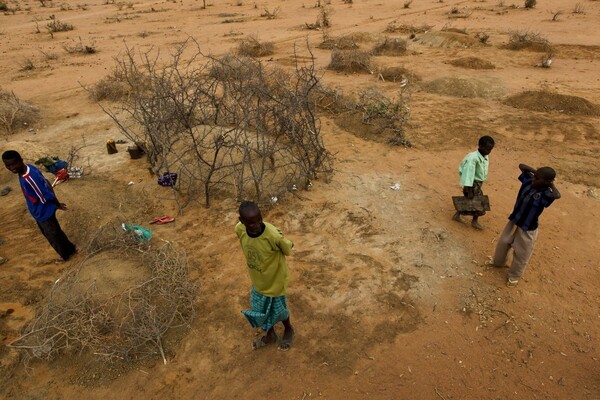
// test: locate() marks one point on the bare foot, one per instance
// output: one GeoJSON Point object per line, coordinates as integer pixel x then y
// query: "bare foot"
{"type": "Point", "coordinates": [268, 338]}
{"type": "Point", "coordinates": [286, 342]}
{"type": "Point", "coordinates": [457, 218]}
{"type": "Point", "coordinates": [477, 225]}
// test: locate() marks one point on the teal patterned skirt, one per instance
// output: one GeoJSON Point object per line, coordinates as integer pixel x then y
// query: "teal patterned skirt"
{"type": "Point", "coordinates": [266, 311]}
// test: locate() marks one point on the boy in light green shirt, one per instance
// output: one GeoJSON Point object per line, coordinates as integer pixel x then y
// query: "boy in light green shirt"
{"type": "Point", "coordinates": [265, 248]}
{"type": "Point", "coordinates": [473, 171]}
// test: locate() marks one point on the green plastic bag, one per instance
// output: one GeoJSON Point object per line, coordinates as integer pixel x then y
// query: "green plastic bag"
{"type": "Point", "coordinates": [140, 234]}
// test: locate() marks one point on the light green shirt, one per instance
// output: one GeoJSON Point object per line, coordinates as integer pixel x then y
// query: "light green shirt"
{"type": "Point", "coordinates": [474, 167]}
{"type": "Point", "coordinates": [265, 257]}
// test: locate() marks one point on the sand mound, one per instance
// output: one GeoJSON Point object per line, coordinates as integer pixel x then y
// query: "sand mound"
{"type": "Point", "coordinates": [464, 87]}
{"type": "Point", "coordinates": [112, 272]}
{"type": "Point", "coordinates": [546, 101]}
{"type": "Point", "coordinates": [447, 39]}
{"type": "Point", "coordinates": [472, 63]}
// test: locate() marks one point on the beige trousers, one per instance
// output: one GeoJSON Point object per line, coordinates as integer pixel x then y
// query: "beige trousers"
{"type": "Point", "coordinates": [521, 242]}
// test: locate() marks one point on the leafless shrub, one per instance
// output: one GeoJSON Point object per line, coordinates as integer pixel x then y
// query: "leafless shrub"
{"type": "Point", "coordinates": [252, 47]}
{"type": "Point", "coordinates": [228, 126]}
{"type": "Point", "coordinates": [3, 6]}
{"type": "Point", "coordinates": [350, 61]}
{"type": "Point", "coordinates": [530, 3]}
{"type": "Point", "coordinates": [348, 1]}
{"type": "Point", "coordinates": [455, 12]}
{"type": "Point", "coordinates": [556, 15]}
{"type": "Point", "coordinates": [131, 324]}
{"type": "Point", "coordinates": [65, 7]}
{"type": "Point", "coordinates": [27, 65]}
{"type": "Point", "coordinates": [396, 27]}
{"type": "Point", "coordinates": [45, 3]}
{"type": "Point", "coordinates": [534, 41]}
{"type": "Point", "coordinates": [49, 56]}
{"type": "Point", "coordinates": [407, 3]}
{"type": "Point", "coordinates": [397, 74]}
{"type": "Point", "coordinates": [80, 47]}
{"type": "Point", "coordinates": [15, 113]}
{"type": "Point", "coordinates": [483, 37]}
{"type": "Point", "coordinates": [58, 26]}
{"type": "Point", "coordinates": [270, 14]}
{"type": "Point", "coordinates": [390, 46]}
{"type": "Point", "coordinates": [341, 43]}
{"type": "Point", "coordinates": [579, 9]}
{"type": "Point", "coordinates": [109, 88]}
{"type": "Point", "coordinates": [372, 112]}
{"type": "Point", "coordinates": [324, 19]}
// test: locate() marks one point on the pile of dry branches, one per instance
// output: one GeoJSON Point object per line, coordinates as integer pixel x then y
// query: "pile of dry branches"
{"type": "Point", "coordinates": [130, 324]}
{"type": "Point", "coordinates": [226, 125]}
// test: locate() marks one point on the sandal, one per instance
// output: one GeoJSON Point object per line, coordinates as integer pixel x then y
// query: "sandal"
{"type": "Point", "coordinates": [512, 282]}
{"type": "Point", "coordinates": [162, 220]}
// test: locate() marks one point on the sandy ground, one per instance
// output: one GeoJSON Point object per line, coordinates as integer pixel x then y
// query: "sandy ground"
{"type": "Point", "coordinates": [390, 297]}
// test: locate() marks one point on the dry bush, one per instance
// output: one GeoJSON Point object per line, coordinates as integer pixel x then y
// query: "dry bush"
{"type": "Point", "coordinates": [252, 47]}
{"type": "Point", "coordinates": [390, 46]}
{"type": "Point", "coordinates": [395, 27]}
{"type": "Point", "coordinates": [229, 126]}
{"type": "Point", "coordinates": [472, 63]}
{"type": "Point", "coordinates": [270, 14]}
{"type": "Point", "coordinates": [373, 115]}
{"type": "Point", "coordinates": [26, 65]}
{"type": "Point", "coordinates": [79, 315]}
{"type": "Point", "coordinates": [530, 3]}
{"type": "Point", "coordinates": [58, 26]}
{"type": "Point", "coordinates": [397, 74]}
{"type": "Point", "coordinates": [3, 6]}
{"type": "Point", "coordinates": [15, 113]}
{"type": "Point", "coordinates": [350, 61]}
{"type": "Point", "coordinates": [80, 47]}
{"type": "Point", "coordinates": [483, 37]}
{"type": "Point", "coordinates": [579, 9]}
{"type": "Point", "coordinates": [455, 12]}
{"type": "Point", "coordinates": [526, 40]}
{"type": "Point", "coordinates": [109, 88]}
{"type": "Point", "coordinates": [340, 43]}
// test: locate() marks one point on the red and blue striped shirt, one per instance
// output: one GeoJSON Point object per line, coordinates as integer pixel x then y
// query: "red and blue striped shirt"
{"type": "Point", "coordinates": [40, 199]}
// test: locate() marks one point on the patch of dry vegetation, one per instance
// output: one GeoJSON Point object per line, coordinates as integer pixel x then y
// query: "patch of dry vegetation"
{"type": "Point", "coordinates": [397, 27]}
{"type": "Point", "coordinates": [350, 61]}
{"type": "Point", "coordinates": [397, 74]}
{"type": "Point", "coordinates": [472, 63]}
{"type": "Point", "coordinates": [526, 40]}
{"type": "Point", "coordinates": [390, 46]}
{"type": "Point", "coordinates": [108, 320]}
{"type": "Point", "coordinates": [463, 87]}
{"type": "Point", "coordinates": [15, 113]}
{"type": "Point", "coordinates": [252, 47]}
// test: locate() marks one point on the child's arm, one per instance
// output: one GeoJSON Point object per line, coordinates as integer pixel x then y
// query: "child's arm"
{"type": "Point", "coordinates": [526, 168]}
{"type": "Point", "coordinates": [555, 192]}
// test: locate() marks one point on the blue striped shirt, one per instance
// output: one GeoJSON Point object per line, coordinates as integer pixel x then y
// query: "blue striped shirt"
{"type": "Point", "coordinates": [530, 203]}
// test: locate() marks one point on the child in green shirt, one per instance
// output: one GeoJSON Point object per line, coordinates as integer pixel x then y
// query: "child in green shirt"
{"type": "Point", "coordinates": [265, 249]}
{"type": "Point", "coordinates": [473, 171]}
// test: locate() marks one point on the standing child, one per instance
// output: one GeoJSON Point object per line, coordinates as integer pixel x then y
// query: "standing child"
{"type": "Point", "coordinates": [42, 203]}
{"type": "Point", "coordinates": [265, 249]}
{"type": "Point", "coordinates": [536, 193]}
{"type": "Point", "coordinates": [473, 171]}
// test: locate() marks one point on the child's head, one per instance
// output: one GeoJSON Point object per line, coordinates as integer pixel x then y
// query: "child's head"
{"type": "Point", "coordinates": [543, 176]}
{"type": "Point", "coordinates": [13, 161]}
{"type": "Point", "coordinates": [250, 216]}
{"type": "Point", "coordinates": [486, 144]}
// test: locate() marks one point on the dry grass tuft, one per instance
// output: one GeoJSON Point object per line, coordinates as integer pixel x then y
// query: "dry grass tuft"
{"type": "Point", "coordinates": [350, 61]}
{"type": "Point", "coordinates": [390, 47]}
{"type": "Point", "coordinates": [528, 41]}
{"type": "Point", "coordinates": [252, 47]}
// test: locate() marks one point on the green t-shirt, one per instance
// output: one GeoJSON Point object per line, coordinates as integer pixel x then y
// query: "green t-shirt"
{"type": "Point", "coordinates": [474, 167]}
{"type": "Point", "coordinates": [265, 256]}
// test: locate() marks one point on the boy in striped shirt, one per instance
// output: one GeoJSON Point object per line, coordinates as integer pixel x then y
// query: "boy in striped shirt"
{"type": "Point", "coordinates": [537, 192]}
{"type": "Point", "coordinates": [41, 202]}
